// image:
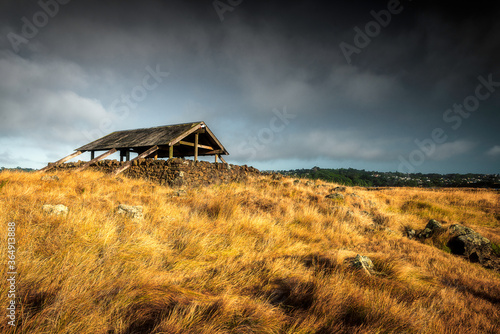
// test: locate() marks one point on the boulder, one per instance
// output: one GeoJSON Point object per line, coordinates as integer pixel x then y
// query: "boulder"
{"type": "Point", "coordinates": [134, 212]}
{"type": "Point", "coordinates": [56, 210]}
{"type": "Point", "coordinates": [431, 227]}
{"type": "Point", "coordinates": [470, 244]}
{"type": "Point", "coordinates": [339, 189]}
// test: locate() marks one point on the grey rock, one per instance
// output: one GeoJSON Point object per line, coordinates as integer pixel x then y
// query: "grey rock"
{"type": "Point", "coordinates": [431, 227]}
{"type": "Point", "coordinates": [339, 189]}
{"type": "Point", "coordinates": [410, 233]}
{"type": "Point", "coordinates": [134, 212]}
{"type": "Point", "coordinates": [56, 210]}
{"type": "Point", "coordinates": [335, 196]}
{"type": "Point", "coordinates": [433, 224]}
{"type": "Point", "coordinates": [362, 262]}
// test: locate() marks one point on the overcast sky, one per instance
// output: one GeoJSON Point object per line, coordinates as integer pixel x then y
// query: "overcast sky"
{"type": "Point", "coordinates": [375, 85]}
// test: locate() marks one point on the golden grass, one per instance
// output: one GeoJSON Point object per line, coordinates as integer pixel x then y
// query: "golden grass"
{"type": "Point", "coordinates": [265, 256]}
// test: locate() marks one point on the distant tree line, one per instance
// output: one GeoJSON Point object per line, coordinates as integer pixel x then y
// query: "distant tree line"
{"type": "Point", "coordinates": [18, 169]}
{"type": "Point", "coordinates": [356, 177]}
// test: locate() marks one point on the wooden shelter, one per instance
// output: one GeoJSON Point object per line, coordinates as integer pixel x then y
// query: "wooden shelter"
{"type": "Point", "coordinates": [178, 140]}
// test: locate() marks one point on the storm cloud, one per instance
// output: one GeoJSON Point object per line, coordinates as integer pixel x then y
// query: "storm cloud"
{"type": "Point", "coordinates": [76, 70]}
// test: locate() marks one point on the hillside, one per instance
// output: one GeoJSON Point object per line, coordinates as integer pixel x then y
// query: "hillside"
{"type": "Point", "coordinates": [271, 255]}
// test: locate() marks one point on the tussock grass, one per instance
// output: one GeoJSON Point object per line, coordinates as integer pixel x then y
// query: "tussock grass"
{"type": "Point", "coordinates": [265, 256]}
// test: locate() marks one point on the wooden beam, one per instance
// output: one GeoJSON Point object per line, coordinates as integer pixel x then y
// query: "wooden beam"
{"type": "Point", "coordinates": [215, 139]}
{"type": "Point", "coordinates": [92, 155]}
{"type": "Point", "coordinates": [206, 147]}
{"type": "Point", "coordinates": [222, 159]}
{"type": "Point", "coordinates": [58, 162]}
{"type": "Point", "coordinates": [102, 156]}
{"type": "Point", "coordinates": [185, 134]}
{"type": "Point", "coordinates": [216, 160]}
{"type": "Point", "coordinates": [140, 156]}
{"type": "Point", "coordinates": [171, 152]}
{"type": "Point", "coordinates": [127, 155]}
{"type": "Point", "coordinates": [214, 152]}
{"type": "Point", "coordinates": [196, 135]}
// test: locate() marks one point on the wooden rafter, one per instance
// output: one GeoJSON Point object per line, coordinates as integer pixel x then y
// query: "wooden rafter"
{"type": "Point", "coordinates": [102, 156]}
{"type": "Point", "coordinates": [185, 134]}
{"type": "Point", "coordinates": [140, 156]}
{"type": "Point", "coordinates": [58, 162]}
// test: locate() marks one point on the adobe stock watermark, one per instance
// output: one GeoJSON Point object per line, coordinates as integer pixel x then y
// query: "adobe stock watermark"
{"type": "Point", "coordinates": [266, 135]}
{"type": "Point", "coordinates": [222, 7]}
{"type": "Point", "coordinates": [454, 117]}
{"type": "Point", "coordinates": [372, 29]}
{"type": "Point", "coordinates": [120, 107]}
{"type": "Point", "coordinates": [11, 273]}
{"type": "Point", "coordinates": [31, 27]}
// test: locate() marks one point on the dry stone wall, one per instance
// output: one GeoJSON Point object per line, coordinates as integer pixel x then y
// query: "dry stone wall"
{"type": "Point", "coordinates": [173, 172]}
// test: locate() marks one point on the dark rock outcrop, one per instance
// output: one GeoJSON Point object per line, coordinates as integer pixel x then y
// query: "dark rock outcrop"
{"type": "Point", "coordinates": [470, 244]}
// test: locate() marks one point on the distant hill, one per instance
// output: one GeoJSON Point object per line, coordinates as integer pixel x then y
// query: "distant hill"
{"type": "Point", "coordinates": [356, 177]}
{"type": "Point", "coordinates": [18, 169]}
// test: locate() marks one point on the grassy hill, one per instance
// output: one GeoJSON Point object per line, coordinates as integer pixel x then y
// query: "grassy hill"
{"type": "Point", "coordinates": [266, 256]}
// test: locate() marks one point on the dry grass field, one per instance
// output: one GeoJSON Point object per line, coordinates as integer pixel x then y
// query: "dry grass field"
{"type": "Point", "coordinates": [265, 256]}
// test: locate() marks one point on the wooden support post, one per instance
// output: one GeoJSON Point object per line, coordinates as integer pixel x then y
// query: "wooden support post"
{"type": "Point", "coordinates": [58, 162]}
{"type": "Point", "coordinates": [92, 155]}
{"type": "Point", "coordinates": [222, 159]}
{"type": "Point", "coordinates": [171, 152]}
{"type": "Point", "coordinates": [216, 160]}
{"type": "Point", "coordinates": [196, 146]}
{"type": "Point", "coordinates": [127, 155]}
{"type": "Point", "coordinates": [140, 156]}
{"type": "Point", "coordinates": [102, 156]}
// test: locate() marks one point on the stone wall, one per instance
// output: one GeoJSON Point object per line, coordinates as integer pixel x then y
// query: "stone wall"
{"type": "Point", "coordinates": [173, 172]}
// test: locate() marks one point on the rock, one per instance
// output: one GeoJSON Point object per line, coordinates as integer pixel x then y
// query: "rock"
{"type": "Point", "coordinates": [57, 210]}
{"type": "Point", "coordinates": [431, 227]}
{"type": "Point", "coordinates": [361, 262]}
{"type": "Point", "coordinates": [180, 193]}
{"type": "Point", "coordinates": [410, 233]}
{"type": "Point", "coordinates": [50, 178]}
{"type": "Point", "coordinates": [468, 243]}
{"type": "Point", "coordinates": [339, 189]}
{"type": "Point", "coordinates": [309, 183]}
{"type": "Point", "coordinates": [134, 212]}
{"type": "Point", "coordinates": [296, 182]}
{"type": "Point", "coordinates": [433, 224]}
{"type": "Point", "coordinates": [335, 196]}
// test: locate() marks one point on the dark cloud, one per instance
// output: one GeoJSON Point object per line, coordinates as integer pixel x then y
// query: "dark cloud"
{"type": "Point", "coordinates": [72, 80]}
